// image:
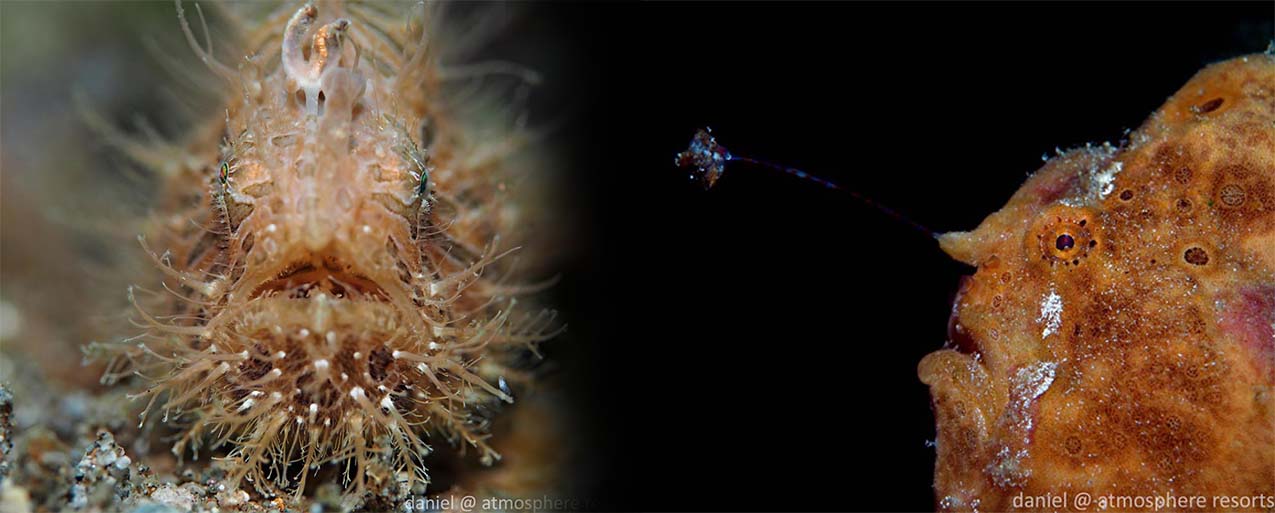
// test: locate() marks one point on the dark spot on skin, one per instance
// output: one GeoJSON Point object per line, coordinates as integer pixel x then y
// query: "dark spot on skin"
{"type": "Point", "coordinates": [1208, 106]}
{"type": "Point", "coordinates": [1183, 175]}
{"type": "Point", "coordinates": [1064, 242]}
{"type": "Point", "coordinates": [1232, 195]}
{"type": "Point", "coordinates": [1196, 256]}
{"type": "Point", "coordinates": [1126, 195]}
{"type": "Point", "coordinates": [251, 370]}
{"type": "Point", "coordinates": [1073, 445]}
{"type": "Point", "coordinates": [378, 363]}
{"type": "Point", "coordinates": [1184, 205]}
{"type": "Point", "coordinates": [1093, 243]}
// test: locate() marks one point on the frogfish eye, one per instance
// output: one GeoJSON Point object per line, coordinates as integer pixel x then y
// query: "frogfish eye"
{"type": "Point", "coordinates": [1064, 242]}
{"type": "Point", "coordinates": [1062, 236]}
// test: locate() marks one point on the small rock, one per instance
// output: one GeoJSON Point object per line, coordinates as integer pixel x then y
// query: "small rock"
{"type": "Point", "coordinates": [232, 497]}
{"type": "Point", "coordinates": [180, 498]}
{"type": "Point", "coordinates": [153, 507]}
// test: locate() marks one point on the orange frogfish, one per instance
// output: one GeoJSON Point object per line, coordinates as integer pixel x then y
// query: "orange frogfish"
{"type": "Point", "coordinates": [1115, 349]}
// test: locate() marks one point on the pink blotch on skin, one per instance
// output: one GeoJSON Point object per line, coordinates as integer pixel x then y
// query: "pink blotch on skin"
{"type": "Point", "coordinates": [1053, 189]}
{"type": "Point", "coordinates": [1250, 317]}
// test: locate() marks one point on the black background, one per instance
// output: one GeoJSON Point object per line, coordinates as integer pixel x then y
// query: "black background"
{"type": "Point", "coordinates": [754, 347]}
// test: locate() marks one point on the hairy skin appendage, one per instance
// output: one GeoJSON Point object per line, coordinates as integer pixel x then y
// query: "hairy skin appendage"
{"type": "Point", "coordinates": [336, 285]}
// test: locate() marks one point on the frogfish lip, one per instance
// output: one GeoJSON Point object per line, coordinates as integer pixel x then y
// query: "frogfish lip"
{"type": "Point", "coordinates": [958, 336]}
{"type": "Point", "coordinates": [308, 277]}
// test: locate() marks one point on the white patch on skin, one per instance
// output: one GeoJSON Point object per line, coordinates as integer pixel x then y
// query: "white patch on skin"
{"type": "Point", "coordinates": [246, 404]}
{"type": "Point", "coordinates": [1029, 383]}
{"type": "Point", "coordinates": [1050, 313]}
{"type": "Point", "coordinates": [387, 403]}
{"type": "Point", "coordinates": [357, 392]}
{"type": "Point", "coordinates": [321, 364]}
{"type": "Point", "coordinates": [1033, 381]}
{"type": "Point", "coordinates": [1104, 181]}
{"type": "Point", "coordinates": [1074, 201]}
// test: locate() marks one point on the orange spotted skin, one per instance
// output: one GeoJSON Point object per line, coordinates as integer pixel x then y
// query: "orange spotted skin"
{"type": "Point", "coordinates": [1118, 338]}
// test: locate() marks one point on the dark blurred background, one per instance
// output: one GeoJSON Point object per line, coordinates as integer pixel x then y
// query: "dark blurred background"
{"type": "Point", "coordinates": [752, 347]}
